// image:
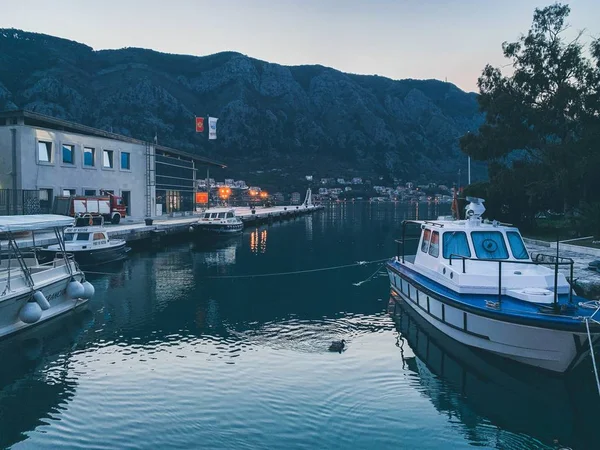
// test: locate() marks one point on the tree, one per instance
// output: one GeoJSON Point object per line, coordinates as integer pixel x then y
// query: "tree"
{"type": "Point", "coordinates": [542, 122]}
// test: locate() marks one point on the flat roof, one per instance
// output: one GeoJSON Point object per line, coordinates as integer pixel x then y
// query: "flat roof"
{"type": "Point", "coordinates": [44, 121]}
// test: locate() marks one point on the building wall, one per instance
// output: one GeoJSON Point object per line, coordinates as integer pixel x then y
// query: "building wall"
{"type": "Point", "coordinates": [56, 175]}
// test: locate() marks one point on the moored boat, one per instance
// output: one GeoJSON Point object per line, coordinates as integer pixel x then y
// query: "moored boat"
{"type": "Point", "coordinates": [219, 221]}
{"type": "Point", "coordinates": [30, 292]}
{"type": "Point", "coordinates": [89, 243]}
{"type": "Point", "coordinates": [475, 281]}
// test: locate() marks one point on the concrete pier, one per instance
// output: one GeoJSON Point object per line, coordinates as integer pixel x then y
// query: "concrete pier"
{"type": "Point", "coordinates": [160, 228]}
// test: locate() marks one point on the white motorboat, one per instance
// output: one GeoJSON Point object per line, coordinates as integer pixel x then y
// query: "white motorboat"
{"type": "Point", "coordinates": [219, 221]}
{"type": "Point", "coordinates": [30, 292]}
{"type": "Point", "coordinates": [475, 281]}
{"type": "Point", "coordinates": [89, 243]}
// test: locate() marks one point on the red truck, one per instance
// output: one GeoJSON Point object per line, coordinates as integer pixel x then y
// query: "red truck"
{"type": "Point", "coordinates": [107, 205]}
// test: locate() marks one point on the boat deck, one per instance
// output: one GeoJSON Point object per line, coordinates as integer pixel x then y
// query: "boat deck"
{"type": "Point", "coordinates": [505, 307]}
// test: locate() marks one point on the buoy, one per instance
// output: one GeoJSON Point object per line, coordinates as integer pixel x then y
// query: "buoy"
{"type": "Point", "coordinates": [75, 289]}
{"type": "Point", "coordinates": [31, 312]}
{"type": "Point", "coordinates": [88, 290]}
{"type": "Point", "coordinates": [191, 229]}
{"type": "Point", "coordinates": [41, 300]}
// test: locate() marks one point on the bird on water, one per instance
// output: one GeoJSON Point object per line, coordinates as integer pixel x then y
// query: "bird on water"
{"type": "Point", "coordinates": [337, 346]}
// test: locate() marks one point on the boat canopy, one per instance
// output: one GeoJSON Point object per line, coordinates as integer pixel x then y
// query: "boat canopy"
{"type": "Point", "coordinates": [33, 222]}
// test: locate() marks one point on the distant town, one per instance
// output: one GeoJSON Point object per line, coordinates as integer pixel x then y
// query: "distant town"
{"type": "Point", "coordinates": [328, 189]}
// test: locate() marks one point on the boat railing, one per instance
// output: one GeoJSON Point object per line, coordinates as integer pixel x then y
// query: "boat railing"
{"type": "Point", "coordinates": [539, 260]}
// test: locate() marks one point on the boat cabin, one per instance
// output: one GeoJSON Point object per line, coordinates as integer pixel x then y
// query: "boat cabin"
{"type": "Point", "coordinates": [480, 256]}
{"type": "Point", "coordinates": [454, 240]}
{"type": "Point", "coordinates": [219, 215]}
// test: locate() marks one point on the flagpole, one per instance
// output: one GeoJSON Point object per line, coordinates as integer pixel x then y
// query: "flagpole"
{"type": "Point", "coordinates": [207, 178]}
{"type": "Point", "coordinates": [469, 170]}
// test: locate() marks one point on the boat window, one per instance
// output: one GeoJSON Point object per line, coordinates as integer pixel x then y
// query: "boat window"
{"type": "Point", "coordinates": [434, 247]}
{"type": "Point", "coordinates": [221, 215]}
{"type": "Point", "coordinates": [230, 215]}
{"type": "Point", "coordinates": [69, 237]}
{"type": "Point", "coordinates": [213, 216]}
{"type": "Point", "coordinates": [516, 245]}
{"type": "Point", "coordinates": [83, 236]}
{"type": "Point", "coordinates": [207, 215]}
{"type": "Point", "coordinates": [98, 236]}
{"type": "Point", "coordinates": [425, 243]}
{"type": "Point", "coordinates": [456, 244]}
{"type": "Point", "coordinates": [489, 245]}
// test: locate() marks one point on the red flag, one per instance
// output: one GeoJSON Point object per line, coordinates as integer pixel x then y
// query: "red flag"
{"type": "Point", "coordinates": [199, 124]}
{"type": "Point", "coordinates": [455, 206]}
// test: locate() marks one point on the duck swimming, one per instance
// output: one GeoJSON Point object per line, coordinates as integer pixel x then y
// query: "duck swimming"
{"type": "Point", "coordinates": [337, 346]}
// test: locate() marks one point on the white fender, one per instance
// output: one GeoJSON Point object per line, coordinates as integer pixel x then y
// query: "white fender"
{"type": "Point", "coordinates": [41, 300]}
{"type": "Point", "coordinates": [75, 289]}
{"type": "Point", "coordinates": [31, 312]}
{"type": "Point", "coordinates": [88, 290]}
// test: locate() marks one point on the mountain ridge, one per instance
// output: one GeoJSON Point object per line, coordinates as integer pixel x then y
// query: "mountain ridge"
{"type": "Point", "coordinates": [305, 118]}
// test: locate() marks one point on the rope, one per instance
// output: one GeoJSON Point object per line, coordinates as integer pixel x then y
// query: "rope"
{"type": "Point", "coordinates": [370, 276]}
{"type": "Point", "coordinates": [587, 326]}
{"type": "Point", "coordinates": [298, 272]}
{"type": "Point", "coordinates": [276, 274]}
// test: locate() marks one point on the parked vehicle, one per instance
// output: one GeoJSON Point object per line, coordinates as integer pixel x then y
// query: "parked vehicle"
{"type": "Point", "coordinates": [107, 205]}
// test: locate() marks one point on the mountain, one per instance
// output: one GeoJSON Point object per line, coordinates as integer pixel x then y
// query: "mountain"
{"type": "Point", "coordinates": [300, 119]}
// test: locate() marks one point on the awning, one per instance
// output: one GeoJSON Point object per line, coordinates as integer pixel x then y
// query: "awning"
{"type": "Point", "coordinates": [33, 222]}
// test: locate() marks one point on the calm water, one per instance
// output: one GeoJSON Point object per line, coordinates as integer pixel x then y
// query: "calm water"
{"type": "Point", "coordinates": [169, 355]}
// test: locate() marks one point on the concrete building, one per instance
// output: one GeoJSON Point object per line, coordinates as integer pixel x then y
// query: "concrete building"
{"type": "Point", "coordinates": [42, 157]}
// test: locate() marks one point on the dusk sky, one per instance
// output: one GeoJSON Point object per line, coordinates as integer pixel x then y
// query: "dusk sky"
{"type": "Point", "coordinates": [396, 39]}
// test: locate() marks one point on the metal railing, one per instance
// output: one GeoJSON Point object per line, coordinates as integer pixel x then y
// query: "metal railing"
{"type": "Point", "coordinates": [539, 260]}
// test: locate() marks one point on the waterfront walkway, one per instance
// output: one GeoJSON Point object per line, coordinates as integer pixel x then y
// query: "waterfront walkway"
{"type": "Point", "coordinates": [137, 230]}
{"type": "Point", "coordinates": [586, 281]}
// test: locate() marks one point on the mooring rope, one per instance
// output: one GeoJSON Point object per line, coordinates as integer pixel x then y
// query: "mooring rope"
{"type": "Point", "coordinates": [298, 272]}
{"type": "Point", "coordinates": [370, 277]}
{"type": "Point", "coordinates": [587, 326]}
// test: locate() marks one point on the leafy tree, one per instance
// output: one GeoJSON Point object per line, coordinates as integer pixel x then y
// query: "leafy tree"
{"type": "Point", "coordinates": [542, 122]}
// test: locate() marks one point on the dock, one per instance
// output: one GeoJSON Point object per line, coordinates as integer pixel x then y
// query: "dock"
{"type": "Point", "coordinates": [172, 226]}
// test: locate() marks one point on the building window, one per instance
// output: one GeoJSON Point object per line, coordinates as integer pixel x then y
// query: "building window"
{"type": "Point", "coordinates": [89, 156]}
{"type": "Point", "coordinates": [125, 161]}
{"type": "Point", "coordinates": [89, 192]}
{"type": "Point", "coordinates": [68, 154]}
{"type": "Point", "coordinates": [68, 192]}
{"type": "Point", "coordinates": [45, 151]}
{"type": "Point", "coordinates": [108, 159]}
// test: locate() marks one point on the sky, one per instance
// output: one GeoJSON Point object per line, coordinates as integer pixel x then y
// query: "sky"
{"type": "Point", "coordinates": [452, 39]}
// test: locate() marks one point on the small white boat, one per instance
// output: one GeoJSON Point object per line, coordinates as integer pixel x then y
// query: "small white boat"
{"type": "Point", "coordinates": [475, 281]}
{"type": "Point", "coordinates": [89, 243]}
{"type": "Point", "coordinates": [30, 292]}
{"type": "Point", "coordinates": [219, 221]}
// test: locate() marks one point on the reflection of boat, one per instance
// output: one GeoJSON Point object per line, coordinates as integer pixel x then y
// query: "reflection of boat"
{"type": "Point", "coordinates": [219, 221]}
{"type": "Point", "coordinates": [30, 292]}
{"type": "Point", "coordinates": [479, 387]}
{"type": "Point", "coordinates": [89, 243]}
{"type": "Point", "coordinates": [475, 281]}
{"type": "Point", "coordinates": [27, 397]}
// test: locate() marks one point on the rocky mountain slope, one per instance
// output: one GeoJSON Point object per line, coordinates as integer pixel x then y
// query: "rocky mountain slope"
{"type": "Point", "coordinates": [302, 119]}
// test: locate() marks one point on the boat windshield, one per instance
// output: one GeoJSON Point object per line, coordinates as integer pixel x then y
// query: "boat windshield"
{"type": "Point", "coordinates": [456, 244]}
{"type": "Point", "coordinates": [83, 236]}
{"type": "Point", "coordinates": [516, 245]}
{"type": "Point", "coordinates": [229, 215]}
{"type": "Point", "coordinates": [69, 237]}
{"type": "Point", "coordinates": [489, 245]}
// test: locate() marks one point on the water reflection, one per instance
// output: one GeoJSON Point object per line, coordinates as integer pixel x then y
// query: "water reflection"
{"type": "Point", "coordinates": [489, 395]}
{"type": "Point", "coordinates": [258, 240]}
{"type": "Point", "coordinates": [29, 392]}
